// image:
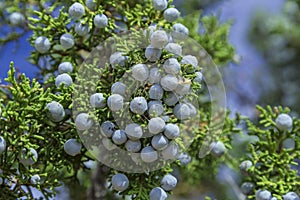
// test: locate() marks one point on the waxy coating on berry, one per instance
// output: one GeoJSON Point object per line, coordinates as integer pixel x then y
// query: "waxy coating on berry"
{"type": "Point", "coordinates": [117, 58]}
{"type": "Point", "coordinates": [55, 111]}
{"type": "Point", "coordinates": [174, 48]}
{"type": "Point", "coordinates": [171, 99]}
{"type": "Point", "coordinates": [159, 39]}
{"type": "Point", "coordinates": [120, 182]}
{"type": "Point", "coordinates": [183, 111]}
{"type": "Point", "coordinates": [133, 145]}
{"type": "Point", "coordinates": [82, 29]}
{"type": "Point", "coordinates": [138, 105]}
{"type": "Point", "coordinates": [245, 166]}
{"type": "Point", "coordinates": [160, 4]}
{"type": "Point", "coordinates": [148, 154]}
{"type": "Point", "coordinates": [156, 125]}
{"type": "Point", "coordinates": [107, 128]}
{"type": "Point", "coordinates": [67, 41]}
{"type": "Point", "coordinates": [247, 188]}
{"type": "Point", "coordinates": [115, 102]}
{"type": "Point", "coordinates": [184, 158]}
{"type": "Point", "coordinates": [291, 196]}
{"type": "Point", "coordinates": [171, 14]}
{"type": "Point", "coordinates": [140, 72]}
{"type": "Point", "coordinates": [171, 152]}
{"type": "Point", "coordinates": [83, 122]}
{"type": "Point", "coordinates": [159, 142]}
{"type": "Point", "coordinates": [263, 195]}
{"type": "Point", "coordinates": [180, 32]}
{"type": "Point", "coordinates": [156, 92]}
{"type": "Point", "coordinates": [134, 131]}
{"type": "Point", "coordinates": [190, 60]}
{"type": "Point", "coordinates": [153, 54]}
{"type": "Point", "coordinates": [16, 18]}
{"type": "Point", "coordinates": [64, 79]}
{"type": "Point", "coordinates": [172, 66]}
{"type": "Point", "coordinates": [97, 100]}
{"type": "Point", "coordinates": [2, 144]}
{"type": "Point", "coordinates": [100, 21]}
{"type": "Point", "coordinates": [158, 194]}
{"type": "Point", "coordinates": [168, 182]}
{"type": "Point", "coordinates": [119, 88]}
{"type": "Point", "coordinates": [217, 148]}
{"type": "Point", "coordinates": [72, 147]}
{"type": "Point", "coordinates": [42, 44]}
{"type": "Point", "coordinates": [154, 75]}
{"type": "Point", "coordinates": [169, 82]}
{"type": "Point", "coordinates": [172, 131]}
{"type": "Point", "coordinates": [65, 67]}
{"type": "Point", "coordinates": [284, 122]}
{"type": "Point", "coordinates": [76, 10]}
{"type": "Point", "coordinates": [119, 137]}
{"type": "Point", "coordinates": [155, 108]}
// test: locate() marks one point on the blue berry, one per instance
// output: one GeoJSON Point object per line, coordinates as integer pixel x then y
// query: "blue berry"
{"type": "Point", "coordinates": [117, 58]}
{"type": "Point", "coordinates": [158, 194]}
{"type": "Point", "coordinates": [156, 92]}
{"type": "Point", "coordinates": [171, 14]}
{"type": "Point", "coordinates": [134, 131]}
{"type": "Point", "coordinates": [100, 21]}
{"type": "Point", "coordinates": [184, 111]}
{"type": "Point", "coordinates": [35, 179]}
{"type": "Point", "coordinates": [107, 128]}
{"type": "Point", "coordinates": [154, 75]}
{"type": "Point", "coordinates": [199, 77]}
{"type": "Point", "coordinates": [65, 79]}
{"type": "Point", "coordinates": [133, 145]}
{"type": "Point", "coordinates": [174, 48]}
{"type": "Point", "coordinates": [97, 100]}
{"type": "Point", "coordinates": [159, 142]}
{"type": "Point", "coordinates": [72, 147]}
{"type": "Point", "coordinates": [90, 4]}
{"type": "Point", "coordinates": [155, 108]}
{"type": "Point", "coordinates": [65, 67]}
{"type": "Point", "coordinates": [217, 148]}
{"type": "Point", "coordinates": [291, 196]}
{"type": "Point", "coordinates": [140, 72]}
{"type": "Point", "coordinates": [115, 102]}
{"type": "Point", "coordinates": [119, 182]}
{"type": "Point", "coordinates": [171, 152]}
{"type": "Point", "coordinates": [171, 99]}
{"type": "Point", "coordinates": [247, 188]}
{"type": "Point", "coordinates": [55, 112]}
{"type": "Point", "coordinates": [168, 182]}
{"type": "Point", "coordinates": [119, 137]}
{"type": "Point", "coordinates": [172, 66]}
{"type": "Point", "coordinates": [139, 105]}
{"type": "Point", "coordinates": [83, 122]}
{"type": "Point", "coordinates": [263, 195]}
{"type": "Point", "coordinates": [81, 29]}
{"type": "Point", "coordinates": [183, 88]}
{"type": "Point", "coordinates": [153, 54]}
{"type": "Point", "coordinates": [76, 10]}
{"type": "Point", "coordinates": [118, 88]}
{"type": "Point", "coordinates": [16, 18]}
{"type": "Point", "coordinates": [169, 82]}
{"type": "Point", "coordinates": [190, 60]}
{"type": "Point", "coordinates": [2, 145]}
{"type": "Point", "coordinates": [172, 131]}
{"type": "Point", "coordinates": [156, 125]}
{"type": "Point", "coordinates": [42, 44]}
{"type": "Point", "coordinates": [184, 159]}
{"type": "Point", "coordinates": [66, 41]}
{"type": "Point", "coordinates": [159, 39]}
{"type": "Point", "coordinates": [245, 166]}
{"type": "Point", "coordinates": [31, 159]}
{"type": "Point", "coordinates": [284, 122]}
{"type": "Point", "coordinates": [180, 32]}
{"type": "Point", "coordinates": [160, 4]}
{"type": "Point", "coordinates": [148, 154]}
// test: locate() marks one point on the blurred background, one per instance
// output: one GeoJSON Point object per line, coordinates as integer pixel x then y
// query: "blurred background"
{"type": "Point", "coordinates": [266, 35]}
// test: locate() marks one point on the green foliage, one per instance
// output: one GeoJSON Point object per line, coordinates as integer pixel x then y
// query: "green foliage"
{"type": "Point", "coordinates": [273, 163]}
